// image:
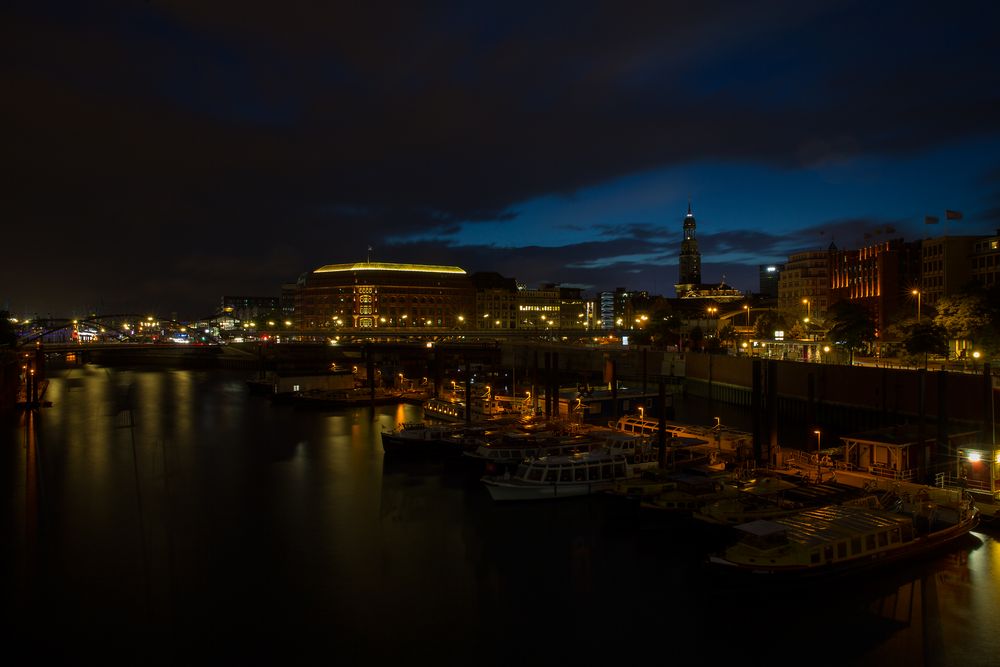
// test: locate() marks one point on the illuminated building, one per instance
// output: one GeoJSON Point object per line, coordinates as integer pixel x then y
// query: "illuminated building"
{"type": "Point", "coordinates": [496, 302]}
{"type": "Point", "coordinates": [879, 276]}
{"type": "Point", "coordinates": [986, 260]}
{"type": "Point", "coordinates": [370, 295]}
{"type": "Point", "coordinates": [247, 308]}
{"type": "Point", "coordinates": [804, 286]}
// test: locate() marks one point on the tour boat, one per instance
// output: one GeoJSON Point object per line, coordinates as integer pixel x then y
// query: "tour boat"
{"type": "Point", "coordinates": [772, 497]}
{"type": "Point", "coordinates": [839, 538]}
{"type": "Point", "coordinates": [560, 476]}
{"type": "Point", "coordinates": [420, 440]}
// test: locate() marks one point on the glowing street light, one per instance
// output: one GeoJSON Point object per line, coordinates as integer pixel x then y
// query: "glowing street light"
{"type": "Point", "coordinates": [916, 293]}
{"type": "Point", "coordinates": [747, 308]}
{"type": "Point", "coordinates": [808, 305]}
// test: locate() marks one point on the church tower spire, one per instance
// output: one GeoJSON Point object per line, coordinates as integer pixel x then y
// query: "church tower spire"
{"type": "Point", "coordinates": [690, 257]}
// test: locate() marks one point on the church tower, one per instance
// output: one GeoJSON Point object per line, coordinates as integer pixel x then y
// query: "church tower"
{"type": "Point", "coordinates": [690, 258]}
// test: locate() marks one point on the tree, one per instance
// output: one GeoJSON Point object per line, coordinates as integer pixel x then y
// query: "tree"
{"type": "Point", "coordinates": [926, 338]}
{"type": "Point", "coordinates": [727, 334]}
{"type": "Point", "coordinates": [972, 315]}
{"type": "Point", "coordinates": [853, 326]}
{"type": "Point", "coordinates": [767, 322]}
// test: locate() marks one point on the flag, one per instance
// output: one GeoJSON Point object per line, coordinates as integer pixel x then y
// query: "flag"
{"type": "Point", "coordinates": [953, 215]}
{"type": "Point", "coordinates": [930, 220]}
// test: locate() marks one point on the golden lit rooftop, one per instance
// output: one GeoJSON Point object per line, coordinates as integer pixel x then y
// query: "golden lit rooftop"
{"type": "Point", "coordinates": [388, 266]}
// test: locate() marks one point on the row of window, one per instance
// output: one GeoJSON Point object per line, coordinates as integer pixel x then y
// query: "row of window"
{"type": "Point", "coordinates": [581, 472]}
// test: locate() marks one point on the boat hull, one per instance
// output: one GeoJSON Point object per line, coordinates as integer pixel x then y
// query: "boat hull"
{"type": "Point", "coordinates": [506, 490]}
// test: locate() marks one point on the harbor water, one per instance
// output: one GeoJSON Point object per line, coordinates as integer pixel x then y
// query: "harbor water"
{"type": "Point", "coordinates": [157, 516]}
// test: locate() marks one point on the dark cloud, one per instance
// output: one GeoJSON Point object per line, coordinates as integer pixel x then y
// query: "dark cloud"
{"type": "Point", "coordinates": [187, 134]}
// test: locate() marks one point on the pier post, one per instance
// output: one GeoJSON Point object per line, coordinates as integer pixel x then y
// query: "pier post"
{"type": "Point", "coordinates": [772, 409]}
{"type": "Point", "coordinates": [989, 417]}
{"type": "Point", "coordinates": [554, 384]}
{"type": "Point", "coordinates": [756, 408]}
{"type": "Point", "coordinates": [614, 388]}
{"type": "Point", "coordinates": [548, 384]}
{"type": "Point", "coordinates": [534, 384]}
{"type": "Point", "coordinates": [468, 391]}
{"type": "Point", "coordinates": [661, 434]}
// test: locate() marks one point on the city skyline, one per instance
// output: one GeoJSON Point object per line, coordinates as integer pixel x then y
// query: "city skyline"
{"type": "Point", "coordinates": [164, 156]}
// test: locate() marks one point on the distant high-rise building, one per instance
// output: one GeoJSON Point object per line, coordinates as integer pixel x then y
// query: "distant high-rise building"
{"type": "Point", "coordinates": [607, 305]}
{"type": "Point", "coordinates": [769, 276]}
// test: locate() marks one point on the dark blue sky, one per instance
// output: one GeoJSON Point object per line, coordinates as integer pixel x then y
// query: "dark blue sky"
{"type": "Point", "coordinates": [162, 154]}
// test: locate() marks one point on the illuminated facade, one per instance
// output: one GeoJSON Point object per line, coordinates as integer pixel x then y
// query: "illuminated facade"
{"type": "Point", "coordinates": [944, 266]}
{"type": "Point", "coordinates": [986, 260]}
{"type": "Point", "coordinates": [804, 285]}
{"type": "Point", "coordinates": [880, 276]}
{"type": "Point", "coordinates": [370, 295]}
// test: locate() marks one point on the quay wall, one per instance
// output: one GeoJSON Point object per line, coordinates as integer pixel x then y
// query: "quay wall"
{"type": "Point", "coordinates": [890, 393]}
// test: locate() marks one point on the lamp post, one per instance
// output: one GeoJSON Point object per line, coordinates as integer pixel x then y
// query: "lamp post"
{"type": "Point", "coordinates": [916, 293]}
{"type": "Point", "coordinates": [712, 310]}
{"type": "Point", "coordinates": [808, 306]}
{"type": "Point", "coordinates": [747, 308]}
{"type": "Point", "coordinates": [819, 439]}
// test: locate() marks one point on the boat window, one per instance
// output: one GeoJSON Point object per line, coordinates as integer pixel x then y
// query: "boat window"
{"type": "Point", "coordinates": [828, 553]}
{"type": "Point", "coordinates": [535, 475]}
{"type": "Point", "coordinates": [619, 469]}
{"type": "Point", "coordinates": [566, 475]}
{"type": "Point", "coordinates": [594, 472]}
{"type": "Point", "coordinates": [841, 549]}
{"type": "Point", "coordinates": [855, 545]}
{"type": "Point", "coordinates": [894, 536]}
{"type": "Point", "coordinates": [883, 539]}
{"type": "Point", "coordinates": [606, 472]}
{"type": "Point", "coordinates": [580, 473]}
{"type": "Point", "coordinates": [552, 475]}
{"type": "Point", "coordinates": [814, 557]}
{"type": "Point", "coordinates": [869, 542]}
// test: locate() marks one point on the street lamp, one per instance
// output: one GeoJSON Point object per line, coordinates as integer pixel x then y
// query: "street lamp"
{"type": "Point", "coordinates": [808, 306]}
{"type": "Point", "coordinates": [747, 308]}
{"type": "Point", "coordinates": [819, 439]}
{"type": "Point", "coordinates": [916, 293]}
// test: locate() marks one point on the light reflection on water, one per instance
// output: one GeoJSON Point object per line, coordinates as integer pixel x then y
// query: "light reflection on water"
{"type": "Point", "coordinates": [259, 529]}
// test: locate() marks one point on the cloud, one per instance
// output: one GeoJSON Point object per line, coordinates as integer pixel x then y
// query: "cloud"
{"type": "Point", "coordinates": [221, 129]}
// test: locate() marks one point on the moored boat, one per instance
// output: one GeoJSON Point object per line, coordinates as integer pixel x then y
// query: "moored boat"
{"type": "Point", "coordinates": [419, 440]}
{"type": "Point", "coordinates": [838, 538]}
{"type": "Point", "coordinates": [560, 476]}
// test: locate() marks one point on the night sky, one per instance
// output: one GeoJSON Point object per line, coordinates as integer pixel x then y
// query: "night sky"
{"type": "Point", "coordinates": [160, 155]}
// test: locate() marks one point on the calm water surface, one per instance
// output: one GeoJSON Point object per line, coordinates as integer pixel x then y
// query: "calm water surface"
{"type": "Point", "coordinates": [221, 527]}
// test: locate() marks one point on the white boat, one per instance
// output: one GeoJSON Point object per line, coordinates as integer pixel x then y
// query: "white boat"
{"type": "Point", "coordinates": [561, 476]}
{"type": "Point", "coordinates": [838, 538]}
